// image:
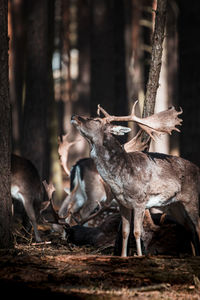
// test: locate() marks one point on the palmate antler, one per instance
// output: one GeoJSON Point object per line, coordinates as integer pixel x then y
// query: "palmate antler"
{"type": "Point", "coordinates": [156, 124]}
{"type": "Point", "coordinates": [136, 143]}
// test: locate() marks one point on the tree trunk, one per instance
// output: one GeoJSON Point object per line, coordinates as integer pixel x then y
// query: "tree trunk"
{"type": "Point", "coordinates": [6, 240]}
{"type": "Point", "coordinates": [38, 86]}
{"type": "Point", "coordinates": [16, 67]}
{"type": "Point", "coordinates": [84, 57]}
{"type": "Point", "coordinates": [108, 77]}
{"type": "Point", "coordinates": [189, 79]}
{"type": "Point", "coordinates": [156, 59]}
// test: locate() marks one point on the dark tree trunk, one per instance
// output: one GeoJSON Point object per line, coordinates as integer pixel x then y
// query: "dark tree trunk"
{"type": "Point", "coordinates": [17, 65]}
{"type": "Point", "coordinates": [108, 79]}
{"type": "Point", "coordinates": [189, 79]}
{"type": "Point", "coordinates": [38, 85]}
{"type": "Point", "coordinates": [156, 61]}
{"type": "Point", "coordinates": [156, 58]}
{"type": "Point", "coordinates": [84, 57]}
{"type": "Point", "coordinates": [6, 240]}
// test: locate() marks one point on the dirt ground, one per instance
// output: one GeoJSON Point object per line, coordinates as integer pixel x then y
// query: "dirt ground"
{"type": "Point", "coordinates": [71, 272]}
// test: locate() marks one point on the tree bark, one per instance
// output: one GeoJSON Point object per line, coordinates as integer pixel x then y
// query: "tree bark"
{"type": "Point", "coordinates": [108, 76]}
{"type": "Point", "coordinates": [38, 86]}
{"type": "Point", "coordinates": [156, 59]}
{"type": "Point", "coordinates": [189, 79]}
{"type": "Point", "coordinates": [16, 69]}
{"type": "Point", "coordinates": [6, 240]}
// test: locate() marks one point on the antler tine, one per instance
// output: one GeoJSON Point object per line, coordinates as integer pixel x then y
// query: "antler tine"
{"type": "Point", "coordinates": [49, 188]}
{"type": "Point", "coordinates": [63, 151]}
{"type": "Point", "coordinates": [110, 118]}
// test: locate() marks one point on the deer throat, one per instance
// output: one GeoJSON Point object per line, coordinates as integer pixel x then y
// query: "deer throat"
{"type": "Point", "coordinates": [108, 168]}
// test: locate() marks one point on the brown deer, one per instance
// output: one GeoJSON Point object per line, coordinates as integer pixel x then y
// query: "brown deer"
{"type": "Point", "coordinates": [140, 180]}
{"type": "Point", "coordinates": [88, 192]}
{"type": "Point", "coordinates": [27, 188]}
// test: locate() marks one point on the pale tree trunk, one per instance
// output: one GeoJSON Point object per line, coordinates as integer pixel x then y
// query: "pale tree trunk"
{"type": "Point", "coordinates": [154, 73]}
{"type": "Point", "coordinates": [162, 143]}
{"type": "Point", "coordinates": [6, 240]}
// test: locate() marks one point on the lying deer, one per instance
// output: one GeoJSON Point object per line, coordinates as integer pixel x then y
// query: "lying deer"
{"type": "Point", "coordinates": [79, 234]}
{"type": "Point", "coordinates": [26, 187]}
{"type": "Point", "coordinates": [87, 189]}
{"type": "Point", "coordinates": [140, 180]}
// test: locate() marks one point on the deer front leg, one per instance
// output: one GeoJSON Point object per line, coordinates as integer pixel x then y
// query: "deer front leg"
{"type": "Point", "coordinates": [138, 220]}
{"type": "Point", "coordinates": [126, 220]}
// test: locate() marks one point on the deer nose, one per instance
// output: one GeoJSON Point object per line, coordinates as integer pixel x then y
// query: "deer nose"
{"type": "Point", "coordinates": [73, 117]}
{"type": "Point", "coordinates": [76, 120]}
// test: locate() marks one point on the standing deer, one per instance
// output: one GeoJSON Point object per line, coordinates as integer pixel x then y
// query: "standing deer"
{"type": "Point", "coordinates": [27, 188]}
{"type": "Point", "coordinates": [140, 180]}
{"type": "Point", "coordinates": [88, 191]}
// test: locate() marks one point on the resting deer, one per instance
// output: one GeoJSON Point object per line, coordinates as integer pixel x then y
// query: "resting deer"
{"type": "Point", "coordinates": [140, 180]}
{"type": "Point", "coordinates": [87, 189]}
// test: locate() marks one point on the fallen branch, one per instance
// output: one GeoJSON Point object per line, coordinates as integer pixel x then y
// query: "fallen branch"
{"type": "Point", "coordinates": [41, 243]}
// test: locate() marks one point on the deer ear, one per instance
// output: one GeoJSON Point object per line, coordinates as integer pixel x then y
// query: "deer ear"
{"type": "Point", "coordinates": [119, 130]}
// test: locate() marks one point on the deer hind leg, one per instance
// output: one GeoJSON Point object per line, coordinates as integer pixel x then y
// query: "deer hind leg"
{"type": "Point", "coordinates": [126, 220]}
{"type": "Point", "coordinates": [31, 214]}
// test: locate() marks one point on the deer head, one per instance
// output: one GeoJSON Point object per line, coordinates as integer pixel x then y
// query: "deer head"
{"type": "Point", "coordinates": [93, 129]}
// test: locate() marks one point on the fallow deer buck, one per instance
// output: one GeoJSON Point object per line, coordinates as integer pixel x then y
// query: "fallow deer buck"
{"type": "Point", "coordinates": [88, 195]}
{"type": "Point", "coordinates": [140, 180]}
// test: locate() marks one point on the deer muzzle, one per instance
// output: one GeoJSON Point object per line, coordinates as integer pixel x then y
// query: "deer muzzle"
{"type": "Point", "coordinates": [76, 120]}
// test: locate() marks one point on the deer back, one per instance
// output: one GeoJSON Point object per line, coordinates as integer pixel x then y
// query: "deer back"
{"type": "Point", "coordinates": [25, 178]}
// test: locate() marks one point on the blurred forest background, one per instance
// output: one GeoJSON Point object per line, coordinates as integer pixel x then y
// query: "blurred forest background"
{"type": "Point", "coordinates": [67, 56]}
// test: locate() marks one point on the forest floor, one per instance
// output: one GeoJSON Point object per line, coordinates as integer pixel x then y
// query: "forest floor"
{"type": "Point", "coordinates": [72, 272]}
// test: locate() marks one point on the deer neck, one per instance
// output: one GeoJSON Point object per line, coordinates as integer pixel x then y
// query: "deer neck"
{"type": "Point", "coordinates": [108, 155]}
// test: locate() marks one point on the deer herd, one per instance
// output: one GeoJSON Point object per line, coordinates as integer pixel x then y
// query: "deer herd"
{"type": "Point", "coordinates": [125, 179]}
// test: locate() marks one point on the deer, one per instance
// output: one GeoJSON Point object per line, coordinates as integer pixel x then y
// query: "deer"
{"type": "Point", "coordinates": [26, 187]}
{"type": "Point", "coordinates": [80, 235]}
{"type": "Point", "coordinates": [141, 180]}
{"type": "Point", "coordinates": [87, 195]}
